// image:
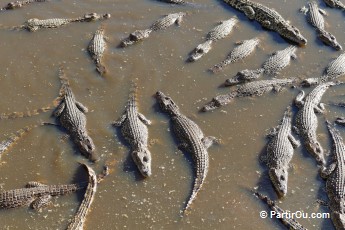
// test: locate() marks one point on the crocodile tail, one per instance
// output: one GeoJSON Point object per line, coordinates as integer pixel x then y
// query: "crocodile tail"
{"type": "Point", "coordinates": [132, 99]}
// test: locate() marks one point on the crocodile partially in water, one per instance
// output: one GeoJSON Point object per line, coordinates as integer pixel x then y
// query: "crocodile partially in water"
{"type": "Point", "coordinates": [243, 50]}
{"type": "Point", "coordinates": [219, 32]}
{"type": "Point", "coordinates": [96, 49]}
{"type": "Point", "coordinates": [335, 175]}
{"type": "Point", "coordinates": [134, 130]}
{"type": "Point", "coordinates": [275, 63]}
{"type": "Point", "coordinates": [279, 153]}
{"type": "Point", "coordinates": [306, 120]}
{"type": "Point", "coordinates": [38, 195]}
{"type": "Point", "coordinates": [19, 4]}
{"type": "Point", "coordinates": [191, 139]}
{"type": "Point", "coordinates": [334, 69]}
{"type": "Point", "coordinates": [315, 18]}
{"type": "Point", "coordinates": [71, 116]}
{"type": "Point", "coordinates": [335, 4]}
{"type": "Point", "coordinates": [255, 88]}
{"type": "Point", "coordinates": [269, 19]}
{"type": "Point", "coordinates": [160, 24]}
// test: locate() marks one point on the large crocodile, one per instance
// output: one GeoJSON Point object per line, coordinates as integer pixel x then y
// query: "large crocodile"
{"type": "Point", "coordinates": [306, 120]}
{"type": "Point", "coordinates": [275, 63]}
{"type": "Point", "coordinates": [79, 219]}
{"type": "Point", "coordinates": [315, 18]}
{"type": "Point", "coordinates": [191, 139]}
{"type": "Point", "coordinates": [243, 50]}
{"type": "Point", "coordinates": [335, 175]}
{"type": "Point", "coordinates": [135, 132]}
{"type": "Point", "coordinates": [220, 31]}
{"type": "Point", "coordinates": [279, 153]}
{"type": "Point", "coordinates": [334, 69]}
{"type": "Point", "coordinates": [268, 18]}
{"type": "Point", "coordinates": [160, 24]}
{"type": "Point", "coordinates": [280, 213]}
{"type": "Point", "coordinates": [38, 195]}
{"type": "Point", "coordinates": [255, 88]}
{"type": "Point", "coordinates": [18, 4]}
{"type": "Point", "coordinates": [96, 49]}
{"type": "Point", "coordinates": [70, 114]}
{"type": "Point", "coordinates": [335, 4]}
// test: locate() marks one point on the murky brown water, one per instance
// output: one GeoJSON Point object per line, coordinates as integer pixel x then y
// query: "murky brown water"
{"type": "Point", "coordinates": [29, 65]}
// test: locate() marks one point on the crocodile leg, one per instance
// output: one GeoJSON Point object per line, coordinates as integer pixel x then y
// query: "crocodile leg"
{"type": "Point", "coordinates": [208, 141]}
{"type": "Point", "coordinates": [41, 202]}
{"type": "Point", "coordinates": [295, 143]}
{"type": "Point", "coordinates": [59, 109]}
{"type": "Point", "coordinates": [81, 107]}
{"type": "Point", "coordinates": [144, 119]}
{"type": "Point", "coordinates": [325, 172]}
{"type": "Point", "coordinates": [184, 147]}
{"type": "Point", "coordinates": [120, 121]}
{"type": "Point", "coordinates": [299, 99]}
{"type": "Point", "coordinates": [249, 12]}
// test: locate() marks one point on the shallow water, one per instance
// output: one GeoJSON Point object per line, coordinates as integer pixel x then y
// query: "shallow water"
{"type": "Point", "coordinates": [29, 79]}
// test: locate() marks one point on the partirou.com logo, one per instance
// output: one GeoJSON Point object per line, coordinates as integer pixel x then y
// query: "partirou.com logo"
{"type": "Point", "coordinates": [295, 215]}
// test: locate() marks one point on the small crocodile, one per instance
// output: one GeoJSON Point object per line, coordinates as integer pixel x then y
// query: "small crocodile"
{"type": "Point", "coordinates": [70, 114]}
{"type": "Point", "coordinates": [243, 50]}
{"type": "Point", "coordinates": [335, 4]}
{"type": "Point", "coordinates": [275, 63]}
{"type": "Point", "coordinates": [160, 24]}
{"type": "Point", "coordinates": [269, 19]}
{"type": "Point", "coordinates": [133, 127]}
{"type": "Point", "coordinates": [279, 213]}
{"type": "Point", "coordinates": [334, 69]}
{"type": "Point", "coordinates": [279, 153]}
{"type": "Point", "coordinates": [18, 4]}
{"type": "Point", "coordinates": [255, 88]}
{"type": "Point", "coordinates": [191, 139]}
{"type": "Point", "coordinates": [335, 175]}
{"type": "Point", "coordinates": [36, 194]}
{"type": "Point", "coordinates": [96, 49]}
{"type": "Point", "coordinates": [306, 120]}
{"type": "Point", "coordinates": [222, 30]}
{"type": "Point", "coordinates": [80, 217]}
{"type": "Point", "coordinates": [315, 18]}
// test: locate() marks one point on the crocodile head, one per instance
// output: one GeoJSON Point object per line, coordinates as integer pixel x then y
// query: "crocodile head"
{"type": "Point", "coordinates": [293, 34]}
{"type": "Point", "coordinates": [279, 178]}
{"type": "Point", "coordinates": [94, 17]}
{"type": "Point", "coordinates": [13, 5]}
{"type": "Point", "coordinates": [167, 104]}
{"type": "Point", "coordinates": [135, 37]}
{"type": "Point", "coordinates": [87, 148]}
{"type": "Point", "coordinates": [309, 82]}
{"type": "Point", "coordinates": [142, 159]}
{"type": "Point", "coordinates": [200, 51]}
{"type": "Point", "coordinates": [316, 150]}
{"type": "Point", "coordinates": [329, 39]}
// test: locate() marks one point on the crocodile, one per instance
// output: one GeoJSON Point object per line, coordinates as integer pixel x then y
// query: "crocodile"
{"type": "Point", "coordinates": [133, 128]}
{"type": "Point", "coordinates": [334, 69]}
{"type": "Point", "coordinates": [191, 139]}
{"type": "Point", "coordinates": [315, 18]}
{"type": "Point", "coordinates": [70, 114]}
{"type": "Point", "coordinates": [160, 24]}
{"type": "Point", "coordinates": [335, 176]}
{"type": "Point", "coordinates": [38, 195]}
{"type": "Point", "coordinates": [335, 4]}
{"type": "Point", "coordinates": [290, 223]}
{"type": "Point", "coordinates": [222, 30]}
{"type": "Point", "coordinates": [255, 88]}
{"type": "Point", "coordinates": [79, 219]}
{"type": "Point", "coordinates": [18, 4]}
{"type": "Point", "coordinates": [96, 49]}
{"type": "Point", "coordinates": [269, 19]}
{"type": "Point", "coordinates": [306, 120]}
{"type": "Point", "coordinates": [275, 63]}
{"type": "Point", "coordinates": [279, 153]}
{"type": "Point", "coordinates": [243, 50]}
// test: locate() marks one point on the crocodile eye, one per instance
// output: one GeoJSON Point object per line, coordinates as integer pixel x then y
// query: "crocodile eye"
{"type": "Point", "coordinates": [145, 159]}
{"type": "Point", "coordinates": [282, 178]}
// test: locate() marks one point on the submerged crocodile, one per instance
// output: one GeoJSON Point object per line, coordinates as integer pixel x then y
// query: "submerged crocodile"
{"type": "Point", "coordinates": [315, 18]}
{"type": "Point", "coordinates": [220, 31]}
{"type": "Point", "coordinates": [269, 19]}
{"type": "Point", "coordinates": [275, 63]}
{"type": "Point", "coordinates": [133, 127]}
{"type": "Point", "coordinates": [335, 175]}
{"type": "Point", "coordinates": [36, 194]}
{"type": "Point", "coordinates": [306, 120]}
{"type": "Point", "coordinates": [243, 50]}
{"type": "Point", "coordinates": [18, 4]}
{"type": "Point", "coordinates": [35, 24]}
{"type": "Point", "coordinates": [335, 4]}
{"type": "Point", "coordinates": [334, 69]}
{"type": "Point", "coordinates": [96, 49]}
{"type": "Point", "coordinates": [285, 219]}
{"type": "Point", "coordinates": [160, 24]}
{"type": "Point", "coordinates": [80, 217]}
{"type": "Point", "coordinates": [70, 114]}
{"type": "Point", "coordinates": [255, 88]}
{"type": "Point", "coordinates": [279, 153]}
{"type": "Point", "coordinates": [191, 139]}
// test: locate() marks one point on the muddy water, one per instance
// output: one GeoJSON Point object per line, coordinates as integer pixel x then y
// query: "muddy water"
{"type": "Point", "coordinates": [29, 65]}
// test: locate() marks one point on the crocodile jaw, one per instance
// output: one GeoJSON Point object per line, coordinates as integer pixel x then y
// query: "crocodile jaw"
{"type": "Point", "coordinates": [87, 148]}
{"type": "Point", "coordinates": [142, 159]}
{"type": "Point", "coordinates": [279, 178]}
{"type": "Point", "coordinates": [293, 34]}
{"type": "Point", "coordinates": [329, 39]}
